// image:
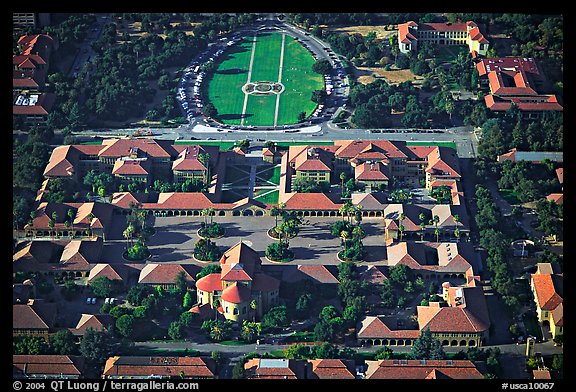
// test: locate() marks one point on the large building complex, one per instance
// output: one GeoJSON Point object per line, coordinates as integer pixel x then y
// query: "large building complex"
{"type": "Point", "coordinates": [410, 34]}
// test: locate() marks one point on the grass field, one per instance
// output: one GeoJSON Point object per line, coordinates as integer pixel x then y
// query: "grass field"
{"type": "Point", "coordinates": [441, 144]}
{"type": "Point", "coordinates": [269, 54]}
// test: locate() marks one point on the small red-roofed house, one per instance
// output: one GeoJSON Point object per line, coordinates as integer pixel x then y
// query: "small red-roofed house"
{"type": "Point", "coordinates": [557, 198]}
{"type": "Point", "coordinates": [98, 322]}
{"type": "Point", "coordinates": [381, 330]}
{"type": "Point", "coordinates": [547, 286]}
{"type": "Point", "coordinates": [275, 369]}
{"type": "Point", "coordinates": [164, 275]}
{"type": "Point", "coordinates": [330, 369]}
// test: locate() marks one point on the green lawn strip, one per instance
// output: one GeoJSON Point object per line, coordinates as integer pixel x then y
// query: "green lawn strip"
{"type": "Point", "coordinates": [266, 58]}
{"type": "Point", "coordinates": [260, 110]}
{"type": "Point", "coordinates": [179, 352]}
{"type": "Point", "coordinates": [310, 143]}
{"type": "Point", "coordinates": [268, 198]}
{"type": "Point", "coordinates": [277, 353]}
{"type": "Point", "coordinates": [269, 175]}
{"type": "Point", "coordinates": [222, 144]}
{"type": "Point", "coordinates": [225, 87]}
{"type": "Point", "coordinates": [233, 343]}
{"type": "Point", "coordinates": [299, 81]}
{"type": "Point", "coordinates": [441, 144]}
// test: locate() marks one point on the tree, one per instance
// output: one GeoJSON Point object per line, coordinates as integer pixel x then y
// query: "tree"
{"type": "Point", "coordinates": [103, 287]}
{"type": "Point", "coordinates": [383, 353]}
{"type": "Point", "coordinates": [209, 269]}
{"type": "Point", "coordinates": [175, 330]}
{"type": "Point", "coordinates": [399, 274]}
{"type": "Point", "coordinates": [188, 301]}
{"type": "Point", "coordinates": [63, 343]}
{"type": "Point", "coordinates": [97, 346]}
{"type": "Point", "coordinates": [250, 331]}
{"type": "Point", "coordinates": [187, 319]}
{"type": "Point", "coordinates": [138, 293]}
{"type": "Point", "coordinates": [276, 317]}
{"type": "Point", "coordinates": [125, 325]}
{"type": "Point", "coordinates": [427, 347]}
{"type": "Point", "coordinates": [253, 307]}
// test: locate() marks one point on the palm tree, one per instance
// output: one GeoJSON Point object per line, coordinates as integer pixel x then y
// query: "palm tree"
{"type": "Point", "coordinates": [358, 232]}
{"type": "Point", "coordinates": [67, 224]}
{"type": "Point", "coordinates": [211, 213]}
{"type": "Point", "coordinates": [128, 233]}
{"type": "Point", "coordinates": [71, 214]}
{"type": "Point", "coordinates": [142, 217]}
{"type": "Point", "coordinates": [54, 216]}
{"type": "Point", "coordinates": [275, 211]}
{"type": "Point", "coordinates": [51, 226]}
{"type": "Point", "coordinates": [400, 225]}
{"type": "Point", "coordinates": [457, 234]}
{"type": "Point", "coordinates": [205, 213]}
{"type": "Point", "coordinates": [358, 214]}
{"type": "Point", "coordinates": [422, 225]}
{"type": "Point", "coordinates": [436, 220]}
{"type": "Point", "coordinates": [254, 306]}
{"type": "Point", "coordinates": [344, 234]}
{"type": "Point", "coordinates": [342, 177]}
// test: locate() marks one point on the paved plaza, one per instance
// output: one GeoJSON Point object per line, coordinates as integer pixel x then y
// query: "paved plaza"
{"type": "Point", "coordinates": [176, 236]}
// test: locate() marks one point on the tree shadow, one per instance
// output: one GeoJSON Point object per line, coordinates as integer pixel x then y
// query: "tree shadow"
{"type": "Point", "coordinates": [305, 253]}
{"type": "Point", "coordinates": [232, 71]}
{"type": "Point", "coordinates": [166, 238]}
{"type": "Point", "coordinates": [233, 230]}
{"type": "Point", "coordinates": [375, 253]}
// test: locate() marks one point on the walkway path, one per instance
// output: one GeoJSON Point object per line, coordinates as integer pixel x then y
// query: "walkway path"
{"type": "Point", "coordinates": [279, 79]}
{"type": "Point", "coordinates": [247, 81]}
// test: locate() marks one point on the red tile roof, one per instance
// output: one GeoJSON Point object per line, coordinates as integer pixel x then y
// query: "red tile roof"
{"type": "Point", "coordinates": [129, 167]}
{"type": "Point", "coordinates": [528, 65]}
{"type": "Point", "coordinates": [209, 283]}
{"type": "Point", "coordinates": [134, 366]}
{"type": "Point", "coordinates": [404, 34]}
{"type": "Point", "coordinates": [116, 148]}
{"type": "Point", "coordinates": [265, 283]}
{"type": "Point", "coordinates": [110, 271]}
{"type": "Point", "coordinates": [443, 26]}
{"type": "Point", "coordinates": [331, 369]}
{"type": "Point", "coordinates": [260, 368]}
{"type": "Point", "coordinates": [423, 369]}
{"type": "Point", "coordinates": [383, 327]}
{"type": "Point", "coordinates": [310, 201]}
{"type": "Point", "coordinates": [371, 172]}
{"type": "Point", "coordinates": [560, 175]}
{"type": "Point", "coordinates": [188, 159]}
{"type": "Point", "coordinates": [318, 273]}
{"type": "Point", "coordinates": [242, 255]}
{"type": "Point", "coordinates": [349, 149]}
{"type": "Point", "coordinates": [37, 314]}
{"type": "Point", "coordinates": [158, 274]}
{"type": "Point", "coordinates": [557, 198]}
{"type": "Point", "coordinates": [98, 322]}
{"type": "Point", "coordinates": [532, 103]}
{"type": "Point", "coordinates": [43, 105]}
{"type": "Point", "coordinates": [47, 365]}
{"type": "Point", "coordinates": [476, 35]}
{"type": "Point", "coordinates": [548, 290]}
{"type": "Point", "coordinates": [236, 294]}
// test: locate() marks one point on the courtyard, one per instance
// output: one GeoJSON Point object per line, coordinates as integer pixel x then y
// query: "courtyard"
{"type": "Point", "coordinates": [175, 238]}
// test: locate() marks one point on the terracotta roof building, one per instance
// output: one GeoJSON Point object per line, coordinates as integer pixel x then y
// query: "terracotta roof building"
{"type": "Point", "coordinates": [330, 369]}
{"type": "Point", "coordinates": [138, 367]}
{"type": "Point", "coordinates": [47, 366]}
{"type": "Point", "coordinates": [411, 33]}
{"type": "Point", "coordinates": [240, 281]}
{"type": "Point", "coordinates": [33, 108]}
{"type": "Point", "coordinates": [164, 275]}
{"type": "Point", "coordinates": [531, 156]}
{"type": "Point", "coordinates": [424, 369]}
{"type": "Point", "coordinates": [98, 322]}
{"type": "Point", "coordinates": [547, 286]}
{"type": "Point", "coordinates": [70, 258]}
{"type": "Point", "coordinates": [515, 80]}
{"type": "Point", "coordinates": [280, 369]}
{"type": "Point", "coordinates": [381, 330]}
{"type": "Point", "coordinates": [34, 318]}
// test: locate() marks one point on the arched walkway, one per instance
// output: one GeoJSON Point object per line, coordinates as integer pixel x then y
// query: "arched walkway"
{"type": "Point", "coordinates": [259, 213]}
{"type": "Point", "coordinates": [247, 212]}
{"type": "Point", "coordinates": [445, 343]}
{"type": "Point", "coordinates": [454, 343]}
{"type": "Point", "coordinates": [472, 343]}
{"type": "Point", "coordinates": [462, 343]}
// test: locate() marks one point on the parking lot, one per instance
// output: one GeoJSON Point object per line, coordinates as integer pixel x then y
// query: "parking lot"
{"type": "Point", "coordinates": [176, 236]}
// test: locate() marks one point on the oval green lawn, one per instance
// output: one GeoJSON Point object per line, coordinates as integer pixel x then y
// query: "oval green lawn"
{"type": "Point", "coordinates": [225, 87]}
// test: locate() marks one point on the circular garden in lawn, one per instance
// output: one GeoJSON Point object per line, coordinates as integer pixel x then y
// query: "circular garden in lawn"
{"type": "Point", "coordinates": [264, 80]}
